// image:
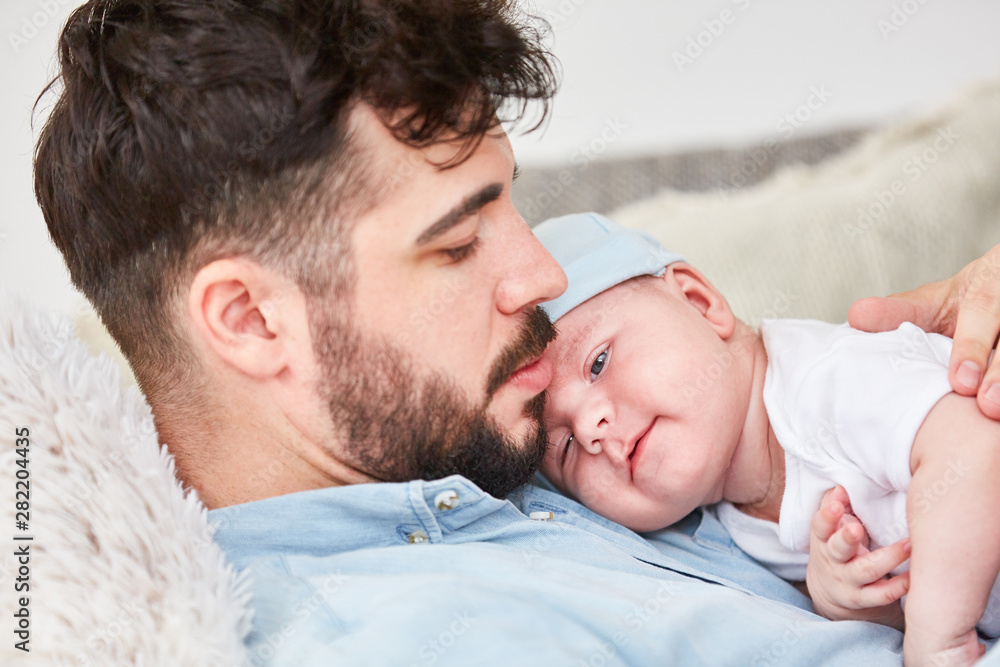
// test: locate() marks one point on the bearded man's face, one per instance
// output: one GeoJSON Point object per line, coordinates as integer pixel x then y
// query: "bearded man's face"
{"type": "Point", "coordinates": [398, 424]}
{"type": "Point", "coordinates": [436, 365]}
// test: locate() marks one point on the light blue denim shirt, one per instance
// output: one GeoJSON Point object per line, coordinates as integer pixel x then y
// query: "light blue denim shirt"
{"type": "Point", "coordinates": [440, 573]}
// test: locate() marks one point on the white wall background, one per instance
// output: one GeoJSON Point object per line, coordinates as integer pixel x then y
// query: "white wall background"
{"type": "Point", "coordinates": [856, 61]}
{"type": "Point", "coordinates": [658, 68]}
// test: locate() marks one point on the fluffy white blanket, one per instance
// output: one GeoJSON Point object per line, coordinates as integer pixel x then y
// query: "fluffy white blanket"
{"type": "Point", "coordinates": [121, 568]}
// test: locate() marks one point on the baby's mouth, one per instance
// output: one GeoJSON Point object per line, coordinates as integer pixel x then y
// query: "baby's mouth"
{"type": "Point", "coordinates": [637, 448]}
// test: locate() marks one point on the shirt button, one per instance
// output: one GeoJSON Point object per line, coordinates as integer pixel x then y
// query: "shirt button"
{"type": "Point", "coordinates": [541, 516]}
{"type": "Point", "coordinates": [446, 500]}
{"type": "Point", "coordinates": [418, 537]}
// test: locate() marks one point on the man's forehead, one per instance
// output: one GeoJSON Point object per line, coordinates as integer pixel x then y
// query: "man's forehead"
{"type": "Point", "coordinates": [436, 195]}
{"type": "Point", "coordinates": [398, 160]}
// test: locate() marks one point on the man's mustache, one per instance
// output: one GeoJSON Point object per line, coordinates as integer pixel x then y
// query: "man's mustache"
{"type": "Point", "coordinates": [536, 333]}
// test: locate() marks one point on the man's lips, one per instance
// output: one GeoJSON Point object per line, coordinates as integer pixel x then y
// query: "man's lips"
{"type": "Point", "coordinates": [534, 376]}
{"type": "Point", "coordinates": [638, 449]}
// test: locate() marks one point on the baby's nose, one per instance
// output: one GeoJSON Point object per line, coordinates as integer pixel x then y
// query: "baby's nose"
{"type": "Point", "coordinates": [590, 440]}
{"type": "Point", "coordinates": [600, 435]}
{"type": "Point", "coordinates": [593, 422]}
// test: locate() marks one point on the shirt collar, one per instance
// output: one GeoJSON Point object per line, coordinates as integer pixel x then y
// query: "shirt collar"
{"type": "Point", "coordinates": [453, 510]}
{"type": "Point", "coordinates": [334, 520]}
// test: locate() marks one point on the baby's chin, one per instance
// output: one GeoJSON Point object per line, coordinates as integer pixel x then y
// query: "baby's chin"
{"type": "Point", "coordinates": [639, 523]}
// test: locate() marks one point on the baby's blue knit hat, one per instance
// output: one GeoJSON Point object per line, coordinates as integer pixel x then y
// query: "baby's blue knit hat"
{"type": "Point", "coordinates": [597, 254]}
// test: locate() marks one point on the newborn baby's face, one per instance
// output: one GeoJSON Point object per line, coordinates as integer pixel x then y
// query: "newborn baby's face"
{"type": "Point", "coordinates": [631, 434]}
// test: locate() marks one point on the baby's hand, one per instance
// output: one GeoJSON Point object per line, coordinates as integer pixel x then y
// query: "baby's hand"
{"type": "Point", "coordinates": [847, 581]}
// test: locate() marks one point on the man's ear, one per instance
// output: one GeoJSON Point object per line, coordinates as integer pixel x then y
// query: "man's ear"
{"type": "Point", "coordinates": [250, 317]}
{"type": "Point", "coordinates": [695, 288]}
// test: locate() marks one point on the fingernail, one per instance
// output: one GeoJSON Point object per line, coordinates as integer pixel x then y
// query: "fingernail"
{"type": "Point", "coordinates": [992, 395]}
{"type": "Point", "coordinates": [968, 375]}
{"type": "Point", "coordinates": [907, 547]}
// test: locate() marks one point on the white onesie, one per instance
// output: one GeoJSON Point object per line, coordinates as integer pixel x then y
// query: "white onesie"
{"type": "Point", "coordinates": [846, 406]}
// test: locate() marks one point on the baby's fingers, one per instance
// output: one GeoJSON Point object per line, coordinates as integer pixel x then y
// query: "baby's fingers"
{"type": "Point", "coordinates": [831, 510]}
{"type": "Point", "coordinates": [883, 592]}
{"type": "Point", "coordinates": [844, 544]}
{"type": "Point", "coordinates": [872, 567]}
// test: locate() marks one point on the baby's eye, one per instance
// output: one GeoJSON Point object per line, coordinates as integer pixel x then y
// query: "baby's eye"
{"type": "Point", "coordinates": [565, 451]}
{"type": "Point", "coordinates": [598, 365]}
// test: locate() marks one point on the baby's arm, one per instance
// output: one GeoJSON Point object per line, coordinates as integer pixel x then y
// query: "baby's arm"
{"type": "Point", "coordinates": [845, 580]}
{"type": "Point", "coordinates": [951, 510]}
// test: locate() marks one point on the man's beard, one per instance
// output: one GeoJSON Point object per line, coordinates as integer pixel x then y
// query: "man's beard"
{"type": "Point", "coordinates": [396, 424]}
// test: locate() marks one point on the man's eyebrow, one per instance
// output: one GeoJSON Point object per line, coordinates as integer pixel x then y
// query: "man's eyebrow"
{"type": "Point", "coordinates": [467, 207]}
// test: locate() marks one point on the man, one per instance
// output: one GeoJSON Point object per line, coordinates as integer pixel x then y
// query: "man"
{"type": "Point", "coordinates": [294, 217]}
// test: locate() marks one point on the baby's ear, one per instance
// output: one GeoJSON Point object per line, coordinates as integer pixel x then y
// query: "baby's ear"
{"type": "Point", "coordinates": [703, 296]}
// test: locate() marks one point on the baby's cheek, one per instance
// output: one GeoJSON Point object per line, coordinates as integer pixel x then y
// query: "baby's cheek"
{"type": "Point", "coordinates": [550, 467]}
{"type": "Point", "coordinates": [598, 487]}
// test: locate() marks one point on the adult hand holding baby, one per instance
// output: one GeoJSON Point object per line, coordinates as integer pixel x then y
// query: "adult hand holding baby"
{"type": "Point", "coordinates": [965, 307]}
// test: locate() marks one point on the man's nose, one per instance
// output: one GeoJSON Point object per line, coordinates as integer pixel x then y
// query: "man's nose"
{"type": "Point", "coordinates": [531, 275]}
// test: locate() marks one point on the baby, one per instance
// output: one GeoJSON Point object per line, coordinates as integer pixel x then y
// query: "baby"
{"type": "Point", "coordinates": [662, 401]}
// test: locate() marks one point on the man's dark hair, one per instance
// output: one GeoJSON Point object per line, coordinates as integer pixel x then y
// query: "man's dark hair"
{"type": "Point", "coordinates": [189, 130]}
